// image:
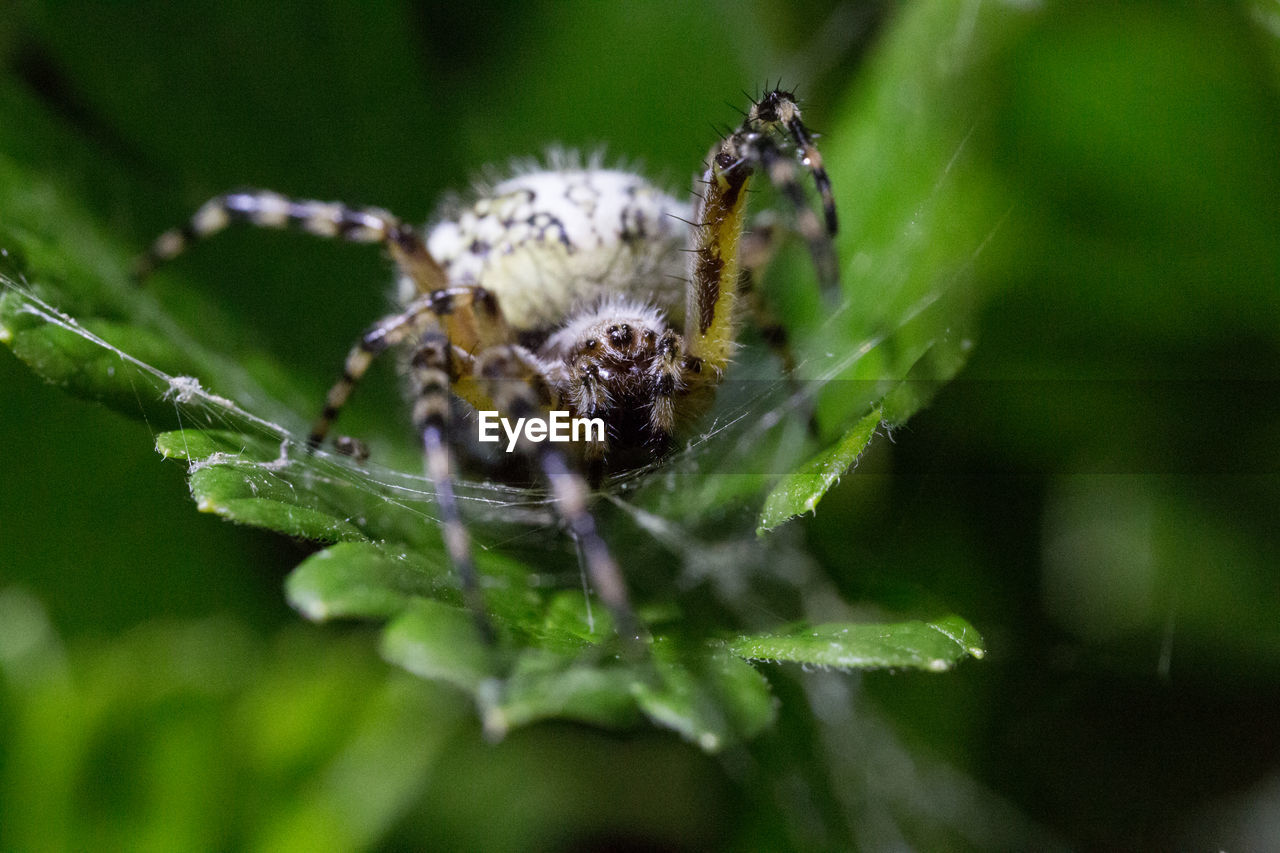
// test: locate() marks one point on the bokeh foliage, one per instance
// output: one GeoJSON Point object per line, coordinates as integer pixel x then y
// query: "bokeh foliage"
{"type": "Point", "coordinates": [1082, 196]}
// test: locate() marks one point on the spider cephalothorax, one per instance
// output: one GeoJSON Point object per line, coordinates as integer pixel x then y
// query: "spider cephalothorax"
{"type": "Point", "coordinates": [620, 361]}
{"type": "Point", "coordinates": [568, 287]}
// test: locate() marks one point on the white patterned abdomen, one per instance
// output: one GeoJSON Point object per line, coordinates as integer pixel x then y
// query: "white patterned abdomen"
{"type": "Point", "coordinates": [547, 243]}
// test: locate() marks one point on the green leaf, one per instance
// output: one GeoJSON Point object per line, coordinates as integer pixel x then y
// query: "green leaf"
{"type": "Point", "coordinates": [561, 668]}
{"type": "Point", "coordinates": [243, 494]}
{"type": "Point", "coordinates": [441, 643]}
{"type": "Point", "coordinates": [544, 685]}
{"type": "Point", "coordinates": [928, 374]}
{"type": "Point", "coordinates": [693, 700]}
{"type": "Point", "coordinates": [360, 580]}
{"type": "Point", "coordinates": [800, 491]}
{"type": "Point", "coordinates": [933, 646]}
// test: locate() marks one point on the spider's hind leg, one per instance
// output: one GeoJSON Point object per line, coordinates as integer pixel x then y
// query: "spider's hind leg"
{"type": "Point", "coordinates": [759, 245]}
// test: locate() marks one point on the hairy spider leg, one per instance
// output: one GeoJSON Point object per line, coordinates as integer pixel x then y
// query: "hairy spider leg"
{"type": "Point", "coordinates": [433, 369]}
{"type": "Point", "coordinates": [717, 256]}
{"type": "Point", "coordinates": [783, 174]}
{"type": "Point", "coordinates": [470, 314]}
{"type": "Point", "coordinates": [710, 313]}
{"type": "Point", "coordinates": [570, 489]}
{"type": "Point", "coordinates": [759, 141]}
{"type": "Point", "coordinates": [518, 387]}
{"type": "Point", "coordinates": [759, 245]}
{"type": "Point", "coordinates": [434, 364]}
{"type": "Point", "coordinates": [668, 369]}
{"type": "Point", "coordinates": [333, 220]}
{"type": "Point", "coordinates": [383, 335]}
{"type": "Point", "coordinates": [780, 108]}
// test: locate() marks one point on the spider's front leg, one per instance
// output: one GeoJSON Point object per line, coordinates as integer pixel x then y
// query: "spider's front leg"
{"type": "Point", "coordinates": [719, 251]}
{"type": "Point", "coordinates": [467, 315]}
{"type": "Point", "coordinates": [436, 364]}
{"type": "Point", "coordinates": [778, 109]}
{"type": "Point", "coordinates": [759, 143]}
{"type": "Point", "coordinates": [470, 318]}
{"type": "Point", "coordinates": [515, 382]}
{"type": "Point", "coordinates": [433, 370]}
{"type": "Point", "coordinates": [333, 220]}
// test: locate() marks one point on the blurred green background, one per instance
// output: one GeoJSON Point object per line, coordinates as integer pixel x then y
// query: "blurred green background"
{"type": "Point", "coordinates": [1096, 491]}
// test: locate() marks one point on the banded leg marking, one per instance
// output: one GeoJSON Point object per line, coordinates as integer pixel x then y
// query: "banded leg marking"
{"type": "Point", "coordinates": [570, 491]}
{"type": "Point", "coordinates": [780, 108]}
{"type": "Point", "coordinates": [471, 316]}
{"type": "Point", "coordinates": [781, 172]}
{"type": "Point", "coordinates": [668, 376]}
{"type": "Point", "coordinates": [519, 391]}
{"type": "Point", "coordinates": [437, 306]}
{"type": "Point", "coordinates": [754, 146]}
{"type": "Point", "coordinates": [332, 220]}
{"type": "Point", "coordinates": [433, 371]}
{"type": "Point", "coordinates": [384, 334]}
{"type": "Point", "coordinates": [269, 210]}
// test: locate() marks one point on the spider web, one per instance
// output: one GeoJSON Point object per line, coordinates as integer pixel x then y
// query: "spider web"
{"type": "Point", "coordinates": [267, 419]}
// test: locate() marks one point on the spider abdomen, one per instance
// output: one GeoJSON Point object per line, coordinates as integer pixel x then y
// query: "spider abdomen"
{"type": "Point", "coordinates": [545, 243]}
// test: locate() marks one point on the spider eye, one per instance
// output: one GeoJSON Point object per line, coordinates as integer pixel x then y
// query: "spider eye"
{"type": "Point", "coordinates": [620, 335]}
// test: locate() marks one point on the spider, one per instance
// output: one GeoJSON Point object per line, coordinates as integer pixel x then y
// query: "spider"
{"type": "Point", "coordinates": [565, 287]}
